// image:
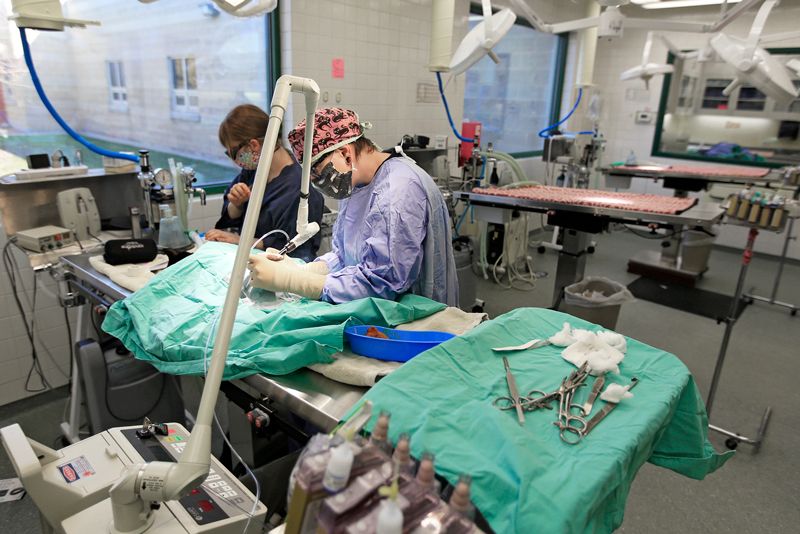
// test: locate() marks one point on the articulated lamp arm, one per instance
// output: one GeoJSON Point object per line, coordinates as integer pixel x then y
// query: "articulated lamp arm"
{"type": "Point", "coordinates": [143, 484]}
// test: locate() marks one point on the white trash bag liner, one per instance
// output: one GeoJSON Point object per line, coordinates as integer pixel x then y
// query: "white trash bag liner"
{"type": "Point", "coordinates": [597, 292]}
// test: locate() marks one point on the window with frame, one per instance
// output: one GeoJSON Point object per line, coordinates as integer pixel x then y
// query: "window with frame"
{"type": "Point", "coordinates": [517, 98]}
{"type": "Point", "coordinates": [117, 92]}
{"type": "Point", "coordinates": [240, 65]}
{"type": "Point", "coordinates": [183, 72]}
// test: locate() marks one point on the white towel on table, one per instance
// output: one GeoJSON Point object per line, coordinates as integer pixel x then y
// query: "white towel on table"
{"type": "Point", "coordinates": [131, 276]}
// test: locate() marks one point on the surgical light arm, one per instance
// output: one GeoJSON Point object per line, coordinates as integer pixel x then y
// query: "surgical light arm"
{"type": "Point", "coordinates": [44, 15]}
{"type": "Point", "coordinates": [143, 484]}
{"type": "Point", "coordinates": [522, 7]}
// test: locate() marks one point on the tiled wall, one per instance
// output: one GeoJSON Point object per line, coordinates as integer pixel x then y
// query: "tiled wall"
{"type": "Point", "coordinates": [384, 46]}
{"type": "Point", "coordinates": [50, 328]}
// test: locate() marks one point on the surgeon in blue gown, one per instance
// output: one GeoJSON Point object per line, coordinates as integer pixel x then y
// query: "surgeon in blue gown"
{"type": "Point", "coordinates": [392, 235]}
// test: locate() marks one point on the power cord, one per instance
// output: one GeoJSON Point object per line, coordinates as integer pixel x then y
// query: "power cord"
{"type": "Point", "coordinates": [14, 273]}
{"type": "Point", "coordinates": [95, 237]}
{"type": "Point", "coordinates": [70, 343]}
{"type": "Point", "coordinates": [652, 236]}
{"type": "Point", "coordinates": [224, 437]}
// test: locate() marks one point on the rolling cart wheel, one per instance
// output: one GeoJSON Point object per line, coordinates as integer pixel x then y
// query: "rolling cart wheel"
{"type": "Point", "coordinates": [477, 309]}
{"type": "Point", "coordinates": [748, 301]}
{"type": "Point", "coordinates": [732, 443]}
{"type": "Point", "coordinates": [590, 250]}
{"type": "Point", "coordinates": [793, 312]}
{"type": "Point", "coordinates": [540, 249]}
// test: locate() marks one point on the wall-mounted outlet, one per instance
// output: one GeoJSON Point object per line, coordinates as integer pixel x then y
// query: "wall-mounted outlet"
{"type": "Point", "coordinates": [644, 117]}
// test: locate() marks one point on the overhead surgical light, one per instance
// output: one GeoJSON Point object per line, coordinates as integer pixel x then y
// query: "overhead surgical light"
{"type": "Point", "coordinates": [753, 65]}
{"type": "Point", "coordinates": [43, 15]}
{"type": "Point", "coordinates": [246, 8]}
{"type": "Point", "coordinates": [647, 69]}
{"type": "Point", "coordinates": [240, 8]}
{"type": "Point", "coordinates": [794, 64]}
{"type": "Point", "coordinates": [611, 22]}
{"type": "Point", "coordinates": [482, 38]}
{"type": "Point", "coordinates": [672, 4]}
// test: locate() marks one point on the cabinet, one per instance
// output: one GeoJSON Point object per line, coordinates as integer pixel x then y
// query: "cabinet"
{"type": "Point", "coordinates": [744, 101]}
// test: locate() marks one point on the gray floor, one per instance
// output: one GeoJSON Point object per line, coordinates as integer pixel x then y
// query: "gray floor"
{"type": "Point", "coordinates": [751, 493]}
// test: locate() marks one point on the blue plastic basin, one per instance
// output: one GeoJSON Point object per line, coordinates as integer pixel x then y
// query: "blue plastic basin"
{"type": "Point", "coordinates": [401, 346]}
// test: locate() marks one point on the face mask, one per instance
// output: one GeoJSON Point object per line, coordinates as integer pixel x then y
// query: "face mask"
{"type": "Point", "coordinates": [334, 184]}
{"type": "Point", "coordinates": [247, 159]}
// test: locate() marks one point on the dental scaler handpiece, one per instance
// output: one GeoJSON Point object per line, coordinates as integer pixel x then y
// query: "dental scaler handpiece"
{"type": "Point", "coordinates": [300, 238]}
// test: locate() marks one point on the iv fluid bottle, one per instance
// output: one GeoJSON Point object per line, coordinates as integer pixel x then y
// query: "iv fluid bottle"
{"type": "Point", "coordinates": [390, 518]}
{"type": "Point", "coordinates": [338, 471]}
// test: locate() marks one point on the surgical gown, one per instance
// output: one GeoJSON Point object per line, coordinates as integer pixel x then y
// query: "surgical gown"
{"type": "Point", "coordinates": [392, 237]}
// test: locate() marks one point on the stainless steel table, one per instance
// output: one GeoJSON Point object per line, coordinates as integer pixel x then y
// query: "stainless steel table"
{"type": "Point", "coordinates": [675, 178]}
{"type": "Point", "coordinates": [666, 263]}
{"type": "Point", "coordinates": [579, 222]}
{"type": "Point", "coordinates": [307, 394]}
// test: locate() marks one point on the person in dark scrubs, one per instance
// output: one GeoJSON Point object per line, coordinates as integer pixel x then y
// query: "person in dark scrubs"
{"type": "Point", "coordinates": [242, 133]}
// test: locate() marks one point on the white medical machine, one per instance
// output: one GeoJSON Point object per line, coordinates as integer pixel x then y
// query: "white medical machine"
{"type": "Point", "coordinates": [44, 238]}
{"type": "Point", "coordinates": [78, 212]}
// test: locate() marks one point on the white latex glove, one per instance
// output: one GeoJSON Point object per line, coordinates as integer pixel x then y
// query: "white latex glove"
{"type": "Point", "coordinates": [284, 275]}
{"type": "Point", "coordinates": [318, 267]}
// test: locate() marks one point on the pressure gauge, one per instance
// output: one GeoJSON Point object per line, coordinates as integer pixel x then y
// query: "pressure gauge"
{"type": "Point", "coordinates": [163, 177]}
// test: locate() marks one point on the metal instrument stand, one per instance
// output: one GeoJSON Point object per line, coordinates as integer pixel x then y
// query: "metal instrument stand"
{"type": "Point", "coordinates": [771, 300]}
{"type": "Point", "coordinates": [734, 438]}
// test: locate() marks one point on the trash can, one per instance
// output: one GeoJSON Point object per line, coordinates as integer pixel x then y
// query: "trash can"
{"type": "Point", "coordinates": [596, 299]}
{"type": "Point", "coordinates": [695, 250]}
{"type": "Point", "coordinates": [462, 253]}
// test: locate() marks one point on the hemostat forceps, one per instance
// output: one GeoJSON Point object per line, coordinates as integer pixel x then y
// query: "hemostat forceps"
{"type": "Point", "coordinates": [570, 425]}
{"type": "Point", "coordinates": [513, 392]}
